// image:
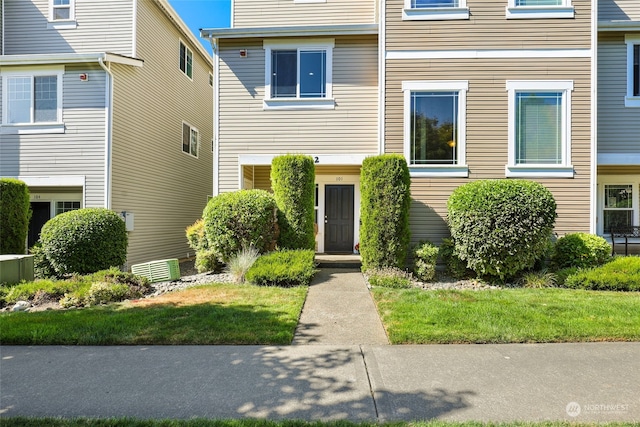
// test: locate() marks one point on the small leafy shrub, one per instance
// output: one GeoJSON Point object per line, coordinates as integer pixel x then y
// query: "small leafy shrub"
{"type": "Point", "coordinates": [284, 268]}
{"type": "Point", "coordinates": [103, 293]}
{"type": "Point", "coordinates": [15, 212]}
{"type": "Point", "coordinates": [240, 263]}
{"type": "Point", "coordinates": [564, 273]}
{"type": "Point", "coordinates": [621, 274]}
{"type": "Point", "coordinates": [42, 268]}
{"type": "Point", "coordinates": [425, 256]}
{"type": "Point", "coordinates": [389, 277]}
{"type": "Point", "coordinates": [206, 259]}
{"type": "Point", "coordinates": [241, 219]}
{"type": "Point", "coordinates": [453, 265]}
{"type": "Point", "coordinates": [501, 227]}
{"type": "Point", "coordinates": [51, 289]}
{"type": "Point", "coordinates": [581, 250]}
{"type": "Point", "coordinates": [538, 279]}
{"type": "Point", "coordinates": [293, 183]}
{"type": "Point", "coordinates": [84, 241]}
{"type": "Point", "coordinates": [138, 285]}
{"type": "Point", "coordinates": [385, 196]}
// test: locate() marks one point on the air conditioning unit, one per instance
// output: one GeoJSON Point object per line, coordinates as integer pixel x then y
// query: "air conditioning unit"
{"type": "Point", "coordinates": [16, 268]}
{"type": "Point", "coordinates": [158, 271]}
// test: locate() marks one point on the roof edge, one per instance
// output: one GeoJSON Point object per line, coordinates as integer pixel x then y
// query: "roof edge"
{"type": "Point", "coordinates": [318, 30]}
{"type": "Point", "coordinates": [619, 26]}
{"type": "Point", "coordinates": [68, 58]}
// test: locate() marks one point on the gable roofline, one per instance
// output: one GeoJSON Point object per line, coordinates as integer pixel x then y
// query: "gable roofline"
{"type": "Point", "coordinates": [619, 26]}
{"type": "Point", "coordinates": [173, 16]}
{"type": "Point", "coordinates": [69, 58]}
{"type": "Point", "coordinates": [296, 31]}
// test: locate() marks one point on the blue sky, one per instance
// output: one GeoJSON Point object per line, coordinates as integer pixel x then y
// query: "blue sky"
{"type": "Point", "coordinates": [203, 14]}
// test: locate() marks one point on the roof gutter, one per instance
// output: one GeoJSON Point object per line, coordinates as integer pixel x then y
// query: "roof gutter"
{"type": "Point", "coordinates": [69, 58]}
{"type": "Point", "coordinates": [297, 31]}
{"type": "Point", "coordinates": [619, 26]}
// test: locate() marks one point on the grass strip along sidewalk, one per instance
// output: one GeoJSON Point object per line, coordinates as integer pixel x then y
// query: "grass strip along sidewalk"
{"type": "Point", "coordinates": [211, 314]}
{"type": "Point", "coordinates": [414, 316]}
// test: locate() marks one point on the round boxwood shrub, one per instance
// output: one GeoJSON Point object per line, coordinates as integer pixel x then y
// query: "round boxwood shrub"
{"type": "Point", "coordinates": [241, 219]}
{"type": "Point", "coordinates": [501, 227]}
{"type": "Point", "coordinates": [293, 183]}
{"type": "Point", "coordinates": [15, 212]}
{"type": "Point", "coordinates": [580, 250]}
{"type": "Point", "coordinates": [84, 241]}
{"type": "Point", "coordinates": [385, 199]}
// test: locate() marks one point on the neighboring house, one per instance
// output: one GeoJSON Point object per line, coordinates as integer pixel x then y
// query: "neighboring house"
{"type": "Point", "coordinates": [618, 113]}
{"type": "Point", "coordinates": [108, 104]}
{"type": "Point", "coordinates": [465, 89]}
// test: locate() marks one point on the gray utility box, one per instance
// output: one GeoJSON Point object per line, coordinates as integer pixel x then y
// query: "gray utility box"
{"type": "Point", "coordinates": [16, 268]}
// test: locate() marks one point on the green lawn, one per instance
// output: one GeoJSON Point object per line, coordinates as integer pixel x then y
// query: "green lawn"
{"type": "Point", "coordinates": [129, 422]}
{"type": "Point", "coordinates": [212, 314]}
{"type": "Point", "coordinates": [413, 316]}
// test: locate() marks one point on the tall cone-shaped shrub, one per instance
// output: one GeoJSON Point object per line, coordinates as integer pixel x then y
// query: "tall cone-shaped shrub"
{"type": "Point", "coordinates": [385, 199]}
{"type": "Point", "coordinates": [293, 183]}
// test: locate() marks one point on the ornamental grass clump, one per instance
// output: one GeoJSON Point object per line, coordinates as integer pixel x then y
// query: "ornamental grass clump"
{"type": "Point", "coordinates": [240, 263]}
{"type": "Point", "coordinates": [501, 227]}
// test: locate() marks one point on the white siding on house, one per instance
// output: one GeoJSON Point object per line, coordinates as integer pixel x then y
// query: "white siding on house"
{"type": "Point", "coordinates": [102, 26]}
{"type": "Point", "coordinates": [163, 187]}
{"type": "Point", "coordinates": [619, 10]}
{"type": "Point", "coordinates": [274, 13]}
{"type": "Point", "coordinates": [245, 128]}
{"type": "Point", "coordinates": [618, 126]}
{"type": "Point", "coordinates": [79, 150]}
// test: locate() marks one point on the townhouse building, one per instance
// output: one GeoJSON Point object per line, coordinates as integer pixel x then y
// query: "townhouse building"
{"type": "Point", "coordinates": [107, 104]}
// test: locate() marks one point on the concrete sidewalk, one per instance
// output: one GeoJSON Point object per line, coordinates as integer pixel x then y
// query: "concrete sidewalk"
{"type": "Point", "coordinates": [339, 310]}
{"type": "Point", "coordinates": [576, 382]}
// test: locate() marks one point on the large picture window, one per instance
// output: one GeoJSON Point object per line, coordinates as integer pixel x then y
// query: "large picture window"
{"type": "Point", "coordinates": [299, 75]}
{"type": "Point", "coordinates": [540, 128]}
{"type": "Point", "coordinates": [32, 99]}
{"type": "Point", "coordinates": [434, 128]}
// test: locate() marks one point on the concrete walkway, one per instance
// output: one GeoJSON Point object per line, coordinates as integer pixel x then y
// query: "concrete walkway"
{"type": "Point", "coordinates": [339, 310]}
{"type": "Point", "coordinates": [590, 382]}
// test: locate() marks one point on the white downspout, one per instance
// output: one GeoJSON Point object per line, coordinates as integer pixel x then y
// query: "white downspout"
{"type": "Point", "coordinates": [594, 119]}
{"type": "Point", "coordinates": [108, 132]}
{"type": "Point", "coordinates": [216, 117]}
{"type": "Point", "coordinates": [382, 70]}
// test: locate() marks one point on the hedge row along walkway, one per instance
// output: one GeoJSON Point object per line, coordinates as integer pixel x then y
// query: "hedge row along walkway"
{"type": "Point", "coordinates": [339, 310]}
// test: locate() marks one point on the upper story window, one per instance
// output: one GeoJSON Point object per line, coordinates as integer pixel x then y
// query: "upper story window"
{"type": "Point", "coordinates": [32, 99]}
{"type": "Point", "coordinates": [435, 9]}
{"type": "Point", "coordinates": [539, 129]}
{"type": "Point", "coordinates": [633, 71]}
{"type": "Point", "coordinates": [62, 14]}
{"type": "Point", "coordinates": [190, 139]}
{"type": "Point", "coordinates": [186, 60]}
{"type": "Point", "coordinates": [298, 75]}
{"type": "Point", "coordinates": [539, 9]}
{"type": "Point", "coordinates": [435, 127]}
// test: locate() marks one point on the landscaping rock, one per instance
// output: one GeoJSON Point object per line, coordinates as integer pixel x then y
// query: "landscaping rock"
{"type": "Point", "coordinates": [21, 306]}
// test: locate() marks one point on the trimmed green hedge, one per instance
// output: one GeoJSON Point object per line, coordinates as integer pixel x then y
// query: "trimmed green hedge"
{"type": "Point", "coordinates": [385, 199]}
{"type": "Point", "coordinates": [501, 227]}
{"type": "Point", "coordinates": [241, 219]}
{"type": "Point", "coordinates": [581, 250]}
{"type": "Point", "coordinates": [85, 241]}
{"type": "Point", "coordinates": [15, 212]}
{"type": "Point", "coordinates": [283, 268]}
{"type": "Point", "coordinates": [293, 183]}
{"type": "Point", "coordinates": [621, 274]}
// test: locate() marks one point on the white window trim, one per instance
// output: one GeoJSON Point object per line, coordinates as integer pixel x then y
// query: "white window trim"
{"type": "Point", "coordinates": [32, 127]}
{"type": "Point", "coordinates": [187, 51]}
{"type": "Point", "coordinates": [630, 100]}
{"type": "Point", "coordinates": [191, 129]}
{"type": "Point", "coordinates": [459, 170]}
{"type": "Point", "coordinates": [326, 103]}
{"type": "Point", "coordinates": [434, 13]}
{"type": "Point", "coordinates": [566, 10]}
{"type": "Point", "coordinates": [634, 180]}
{"type": "Point", "coordinates": [565, 168]}
{"type": "Point", "coordinates": [62, 24]}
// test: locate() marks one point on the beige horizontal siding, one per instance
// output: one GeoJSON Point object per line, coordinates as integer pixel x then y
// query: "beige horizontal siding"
{"type": "Point", "coordinates": [103, 26]}
{"type": "Point", "coordinates": [618, 126]}
{"type": "Point", "coordinates": [163, 187]}
{"type": "Point", "coordinates": [618, 10]}
{"type": "Point", "coordinates": [262, 174]}
{"type": "Point", "coordinates": [245, 128]}
{"type": "Point", "coordinates": [274, 13]}
{"type": "Point", "coordinates": [487, 124]}
{"type": "Point", "coordinates": [487, 28]}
